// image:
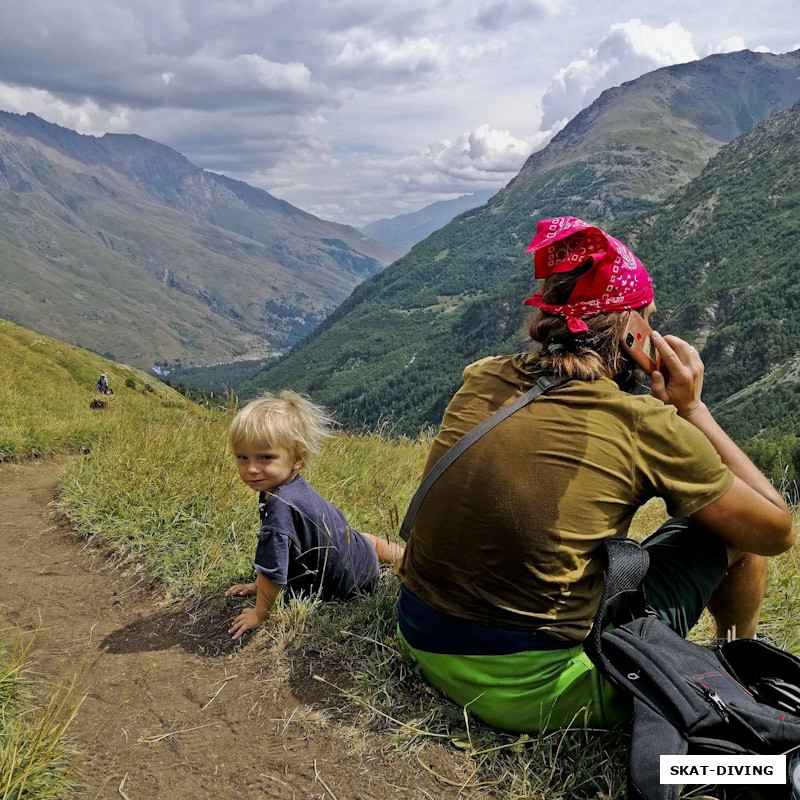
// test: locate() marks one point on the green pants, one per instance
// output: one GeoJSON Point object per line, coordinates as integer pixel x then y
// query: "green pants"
{"type": "Point", "coordinates": [537, 690]}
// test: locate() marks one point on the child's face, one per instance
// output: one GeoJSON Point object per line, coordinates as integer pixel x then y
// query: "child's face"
{"type": "Point", "coordinates": [264, 467]}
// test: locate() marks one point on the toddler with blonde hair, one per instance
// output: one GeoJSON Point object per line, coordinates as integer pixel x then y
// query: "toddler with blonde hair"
{"type": "Point", "coordinates": [304, 543]}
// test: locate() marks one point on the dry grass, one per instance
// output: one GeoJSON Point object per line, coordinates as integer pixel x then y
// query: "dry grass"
{"type": "Point", "coordinates": [36, 763]}
{"type": "Point", "coordinates": [170, 497]}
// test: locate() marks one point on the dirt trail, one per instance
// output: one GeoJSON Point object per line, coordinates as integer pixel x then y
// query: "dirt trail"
{"type": "Point", "coordinates": [148, 678]}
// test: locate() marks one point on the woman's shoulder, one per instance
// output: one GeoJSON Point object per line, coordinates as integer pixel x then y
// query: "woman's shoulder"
{"type": "Point", "coordinates": [639, 408]}
{"type": "Point", "coordinates": [652, 417]}
{"type": "Point", "coordinates": [477, 368]}
{"type": "Point", "coordinates": [650, 406]}
{"type": "Point", "coordinates": [515, 368]}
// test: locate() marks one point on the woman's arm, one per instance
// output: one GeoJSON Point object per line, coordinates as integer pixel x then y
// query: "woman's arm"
{"type": "Point", "coordinates": [751, 515]}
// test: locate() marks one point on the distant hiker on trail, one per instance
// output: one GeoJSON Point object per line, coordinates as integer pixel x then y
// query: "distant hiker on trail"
{"type": "Point", "coordinates": [305, 543]}
{"type": "Point", "coordinates": [501, 576]}
{"type": "Point", "coordinates": [102, 384]}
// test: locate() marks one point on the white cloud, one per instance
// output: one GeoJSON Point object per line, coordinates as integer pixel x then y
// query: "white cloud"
{"type": "Point", "coordinates": [86, 116]}
{"type": "Point", "coordinates": [628, 50]}
{"type": "Point", "coordinates": [661, 46]}
{"type": "Point", "coordinates": [359, 187]}
{"type": "Point", "coordinates": [732, 44]}
{"type": "Point", "coordinates": [203, 81]}
{"type": "Point", "coordinates": [367, 61]}
{"type": "Point", "coordinates": [482, 153]}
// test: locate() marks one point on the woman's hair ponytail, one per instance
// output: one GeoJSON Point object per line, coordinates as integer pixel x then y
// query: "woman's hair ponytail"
{"type": "Point", "coordinates": [587, 355]}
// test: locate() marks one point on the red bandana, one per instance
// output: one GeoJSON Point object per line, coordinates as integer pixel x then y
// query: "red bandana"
{"type": "Point", "coordinates": [617, 281]}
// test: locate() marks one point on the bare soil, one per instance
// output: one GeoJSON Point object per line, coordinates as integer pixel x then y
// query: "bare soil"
{"type": "Point", "coordinates": [172, 708]}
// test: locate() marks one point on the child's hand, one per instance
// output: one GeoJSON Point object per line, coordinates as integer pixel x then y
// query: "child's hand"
{"type": "Point", "coordinates": [246, 621]}
{"type": "Point", "coordinates": [241, 590]}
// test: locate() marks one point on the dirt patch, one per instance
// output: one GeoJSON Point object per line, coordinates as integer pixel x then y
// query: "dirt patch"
{"type": "Point", "coordinates": [173, 708]}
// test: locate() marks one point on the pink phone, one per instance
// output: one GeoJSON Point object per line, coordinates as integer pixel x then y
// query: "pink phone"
{"type": "Point", "coordinates": [637, 341]}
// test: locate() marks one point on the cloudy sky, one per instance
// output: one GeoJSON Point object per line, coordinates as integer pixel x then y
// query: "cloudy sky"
{"type": "Point", "coordinates": [354, 109]}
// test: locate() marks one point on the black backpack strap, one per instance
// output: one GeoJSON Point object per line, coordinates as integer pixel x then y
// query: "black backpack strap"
{"type": "Point", "coordinates": [544, 384]}
{"type": "Point", "coordinates": [626, 564]}
{"type": "Point", "coordinates": [652, 736]}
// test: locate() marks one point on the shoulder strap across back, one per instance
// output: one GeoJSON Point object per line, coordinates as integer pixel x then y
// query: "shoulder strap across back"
{"type": "Point", "coordinates": [544, 384]}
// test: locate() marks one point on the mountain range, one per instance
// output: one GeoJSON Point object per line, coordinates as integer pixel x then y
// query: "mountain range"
{"type": "Point", "coordinates": [396, 348]}
{"type": "Point", "coordinates": [121, 245]}
{"type": "Point", "coordinates": [406, 230]}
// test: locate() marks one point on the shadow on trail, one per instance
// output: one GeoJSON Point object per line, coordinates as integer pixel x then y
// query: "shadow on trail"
{"type": "Point", "coordinates": [201, 629]}
{"type": "Point", "coordinates": [328, 695]}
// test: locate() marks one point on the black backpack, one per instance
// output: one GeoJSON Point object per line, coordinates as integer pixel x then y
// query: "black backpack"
{"type": "Point", "coordinates": [740, 698]}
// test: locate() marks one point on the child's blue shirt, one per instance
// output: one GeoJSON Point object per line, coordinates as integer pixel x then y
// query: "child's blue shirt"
{"type": "Point", "coordinates": [306, 544]}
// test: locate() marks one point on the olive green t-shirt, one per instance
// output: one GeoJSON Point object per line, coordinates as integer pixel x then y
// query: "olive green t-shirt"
{"type": "Point", "coordinates": [506, 535]}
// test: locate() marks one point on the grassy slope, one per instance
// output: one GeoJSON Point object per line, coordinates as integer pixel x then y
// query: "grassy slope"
{"type": "Point", "coordinates": [46, 388]}
{"type": "Point", "coordinates": [158, 482]}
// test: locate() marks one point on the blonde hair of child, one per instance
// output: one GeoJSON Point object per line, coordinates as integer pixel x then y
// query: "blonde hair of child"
{"type": "Point", "coordinates": [286, 420]}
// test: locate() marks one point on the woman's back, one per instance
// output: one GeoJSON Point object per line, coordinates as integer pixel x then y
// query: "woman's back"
{"type": "Point", "coordinates": [505, 536]}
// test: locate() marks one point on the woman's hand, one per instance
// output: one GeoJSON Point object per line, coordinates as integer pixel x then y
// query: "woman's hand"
{"type": "Point", "coordinates": [246, 621]}
{"type": "Point", "coordinates": [241, 590]}
{"type": "Point", "coordinates": [685, 369]}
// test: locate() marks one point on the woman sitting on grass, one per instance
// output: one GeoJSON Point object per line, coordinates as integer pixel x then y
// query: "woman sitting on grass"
{"type": "Point", "coordinates": [501, 578]}
{"type": "Point", "coordinates": [305, 543]}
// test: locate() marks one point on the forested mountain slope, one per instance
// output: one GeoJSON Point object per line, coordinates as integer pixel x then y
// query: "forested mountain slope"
{"type": "Point", "coordinates": [725, 257]}
{"type": "Point", "coordinates": [397, 346]}
{"type": "Point", "coordinates": [123, 246]}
